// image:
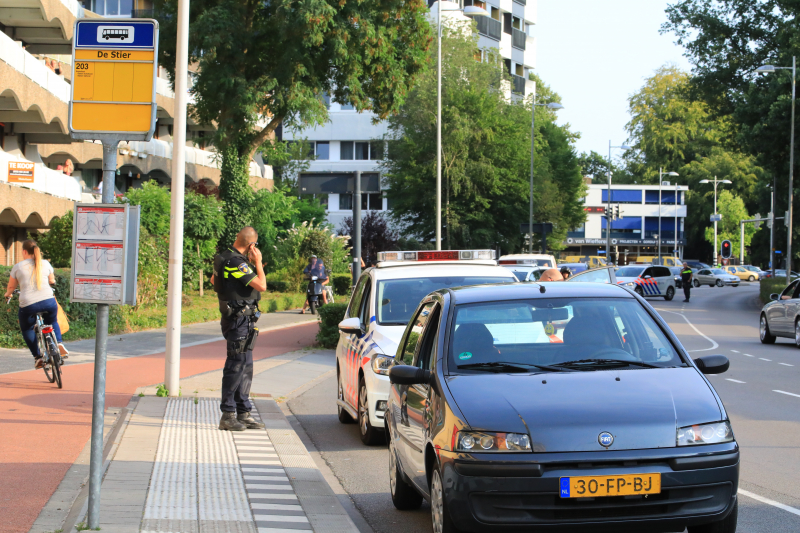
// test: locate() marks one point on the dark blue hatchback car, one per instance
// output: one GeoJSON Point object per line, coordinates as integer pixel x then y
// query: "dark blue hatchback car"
{"type": "Point", "coordinates": [557, 406]}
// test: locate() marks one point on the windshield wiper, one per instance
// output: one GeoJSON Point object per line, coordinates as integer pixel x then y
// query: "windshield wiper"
{"type": "Point", "coordinates": [521, 367]}
{"type": "Point", "coordinates": [585, 363]}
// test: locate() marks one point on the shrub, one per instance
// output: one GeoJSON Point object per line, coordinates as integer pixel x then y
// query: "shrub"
{"type": "Point", "coordinates": [341, 284]}
{"type": "Point", "coordinates": [272, 307]}
{"type": "Point", "coordinates": [278, 286]}
{"type": "Point", "coordinates": [56, 244]}
{"type": "Point", "coordinates": [329, 317]}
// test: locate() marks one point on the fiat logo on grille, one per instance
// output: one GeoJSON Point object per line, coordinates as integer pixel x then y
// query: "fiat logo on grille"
{"type": "Point", "coordinates": [605, 439]}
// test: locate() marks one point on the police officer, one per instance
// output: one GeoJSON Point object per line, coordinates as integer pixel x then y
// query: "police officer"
{"type": "Point", "coordinates": [686, 280]}
{"type": "Point", "coordinates": [239, 281]}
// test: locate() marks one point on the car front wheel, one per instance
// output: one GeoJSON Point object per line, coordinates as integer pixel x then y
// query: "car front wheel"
{"type": "Point", "coordinates": [797, 333]}
{"type": "Point", "coordinates": [440, 515]}
{"type": "Point", "coordinates": [751, 278]}
{"type": "Point", "coordinates": [369, 435]}
{"type": "Point", "coordinates": [763, 330]}
{"type": "Point", "coordinates": [696, 283]}
{"type": "Point", "coordinates": [728, 525]}
{"type": "Point", "coordinates": [719, 283]}
{"type": "Point", "coordinates": [670, 294]}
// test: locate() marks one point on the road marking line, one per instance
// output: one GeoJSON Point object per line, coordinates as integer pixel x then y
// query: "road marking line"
{"type": "Point", "coordinates": [748, 355]}
{"type": "Point", "coordinates": [770, 502]}
{"type": "Point", "coordinates": [736, 351]}
{"type": "Point", "coordinates": [785, 364]}
{"type": "Point", "coordinates": [706, 337]}
{"type": "Point", "coordinates": [787, 393]}
{"type": "Point", "coordinates": [770, 360]}
{"type": "Point", "coordinates": [735, 380]}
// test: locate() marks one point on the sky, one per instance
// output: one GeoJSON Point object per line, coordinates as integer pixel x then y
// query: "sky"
{"type": "Point", "coordinates": [596, 54]}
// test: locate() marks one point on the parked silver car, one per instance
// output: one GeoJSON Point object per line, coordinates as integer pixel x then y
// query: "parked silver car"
{"type": "Point", "coordinates": [715, 276]}
{"type": "Point", "coordinates": [781, 316]}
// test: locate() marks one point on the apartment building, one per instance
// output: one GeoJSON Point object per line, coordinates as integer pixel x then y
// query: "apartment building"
{"type": "Point", "coordinates": [350, 141]}
{"type": "Point", "coordinates": [640, 230]}
{"type": "Point", "coordinates": [42, 171]}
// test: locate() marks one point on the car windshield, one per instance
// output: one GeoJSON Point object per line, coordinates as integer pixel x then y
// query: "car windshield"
{"type": "Point", "coordinates": [718, 271]}
{"type": "Point", "coordinates": [629, 272]}
{"type": "Point", "coordinates": [398, 298]}
{"type": "Point", "coordinates": [520, 275]}
{"type": "Point", "coordinates": [566, 334]}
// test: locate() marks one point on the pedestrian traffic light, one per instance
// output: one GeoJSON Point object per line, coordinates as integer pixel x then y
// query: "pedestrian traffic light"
{"type": "Point", "coordinates": [726, 249]}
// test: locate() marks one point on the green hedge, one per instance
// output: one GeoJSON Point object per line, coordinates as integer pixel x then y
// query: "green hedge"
{"type": "Point", "coordinates": [82, 317]}
{"type": "Point", "coordinates": [769, 286]}
{"type": "Point", "coordinates": [278, 286]}
{"type": "Point", "coordinates": [329, 317]}
{"type": "Point", "coordinates": [341, 284]}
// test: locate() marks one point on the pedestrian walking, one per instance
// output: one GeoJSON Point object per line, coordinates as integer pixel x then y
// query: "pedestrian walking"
{"type": "Point", "coordinates": [239, 281]}
{"type": "Point", "coordinates": [34, 277]}
{"type": "Point", "coordinates": [686, 281]}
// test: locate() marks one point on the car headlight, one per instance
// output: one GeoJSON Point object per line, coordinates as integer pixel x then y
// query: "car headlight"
{"type": "Point", "coordinates": [381, 364]}
{"type": "Point", "coordinates": [715, 433]}
{"type": "Point", "coordinates": [629, 284]}
{"type": "Point", "coordinates": [483, 442]}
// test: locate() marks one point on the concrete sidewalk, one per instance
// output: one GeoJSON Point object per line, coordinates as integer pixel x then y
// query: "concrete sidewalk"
{"type": "Point", "coordinates": [147, 342]}
{"type": "Point", "coordinates": [174, 471]}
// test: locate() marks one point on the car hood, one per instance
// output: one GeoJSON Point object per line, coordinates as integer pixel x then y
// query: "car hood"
{"type": "Point", "coordinates": [387, 338]}
{"type": "Point", "coordinates": [566, 412]}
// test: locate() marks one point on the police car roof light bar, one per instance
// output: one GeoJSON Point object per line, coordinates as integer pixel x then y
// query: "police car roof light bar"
{"type": "Point", "coordinates": [437, 255]}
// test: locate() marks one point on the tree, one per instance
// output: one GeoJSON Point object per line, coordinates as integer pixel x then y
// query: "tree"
{"type": "Point", "coordinates": [376, 235]}
{"type": "Point", "coordinates": [486, 156]}
{"type": "Point", "coordinates": [261, 64]}
{"type": "Point", "coordinates": [732, 210]}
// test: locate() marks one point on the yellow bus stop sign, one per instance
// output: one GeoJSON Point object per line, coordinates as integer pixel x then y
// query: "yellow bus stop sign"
{"type": "Point", "coordinates": [114, 78]}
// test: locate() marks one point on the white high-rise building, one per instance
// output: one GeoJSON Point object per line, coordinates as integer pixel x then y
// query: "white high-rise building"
{"type": "Point", "coordinates": [347, 143]}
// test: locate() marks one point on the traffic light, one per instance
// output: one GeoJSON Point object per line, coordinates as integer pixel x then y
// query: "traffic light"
{"type": "Point", "coordinates": [726, 249]}
{"type": "Point", "coordinates": [617, 214]}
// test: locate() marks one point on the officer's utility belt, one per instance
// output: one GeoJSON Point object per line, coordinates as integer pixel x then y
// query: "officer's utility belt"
{"type": "Point", "coordinates": [235, 309]}
{"type": "Point", "coordinates": [247, 343]}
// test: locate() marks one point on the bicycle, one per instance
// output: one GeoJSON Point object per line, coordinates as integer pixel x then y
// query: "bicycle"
{"type": "Point", "coordinates": [48, 348]}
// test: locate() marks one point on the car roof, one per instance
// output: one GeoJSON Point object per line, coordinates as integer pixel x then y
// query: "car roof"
{"type": "Point", "coordinates": [440, 269]}
{"type": "Point", "coordinates": [528, 290]}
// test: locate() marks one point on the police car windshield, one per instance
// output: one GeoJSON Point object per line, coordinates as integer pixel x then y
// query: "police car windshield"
{"type": "Point", "coordinates": [612, 332]}
{"type": "Point", "coordinates": [399, 298]}
{"type": "Point", "coordinates": [629, 272]}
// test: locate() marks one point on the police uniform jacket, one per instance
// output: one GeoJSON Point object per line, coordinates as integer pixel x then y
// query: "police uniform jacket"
{"type": "Point", "coordinates": [232, 277]}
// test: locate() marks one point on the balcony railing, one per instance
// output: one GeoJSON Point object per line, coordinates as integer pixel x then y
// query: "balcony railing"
{"type": "Point", "coordinates": [11, 52]}
{"type": "Point", "coordinates": [519, 84]}
{"type": "Point", "coordinates": [489, 27]}
{"type": "Point", "coordinates": [518, 38]}
{"type": "Point", "coordinates": [521, 2]}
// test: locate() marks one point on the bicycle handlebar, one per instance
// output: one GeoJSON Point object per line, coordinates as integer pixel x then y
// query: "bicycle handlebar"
{"type": "Point", "coordinates": [8, 301]}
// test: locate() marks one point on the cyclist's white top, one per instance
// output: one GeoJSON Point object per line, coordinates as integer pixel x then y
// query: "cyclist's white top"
{"type": "Point", "coordinates": [28, 293]}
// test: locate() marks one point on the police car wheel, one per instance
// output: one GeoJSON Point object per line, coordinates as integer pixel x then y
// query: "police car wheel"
{"type": "Point", "coordinates": [369, 435]}
{"type": "Point", "coordinates": [344, 416]}
{"type": "Point", "coordinates": [670, 294]}
{"type": "Point", "coordinates": [638, 290]}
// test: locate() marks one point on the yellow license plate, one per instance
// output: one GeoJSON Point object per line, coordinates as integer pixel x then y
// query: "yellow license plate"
{"type": "Point", "coordinates": [601, 486]}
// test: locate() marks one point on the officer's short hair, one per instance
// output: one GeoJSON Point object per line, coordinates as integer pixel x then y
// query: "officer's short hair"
{"type": "Point", "coordinates": [246, 236]}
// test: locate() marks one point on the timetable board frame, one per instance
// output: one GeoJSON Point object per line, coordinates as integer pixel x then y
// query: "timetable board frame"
{"type": "Point", "coordinates": [94, 62]}
{"type": "Point", "coordinates": [87, 233]}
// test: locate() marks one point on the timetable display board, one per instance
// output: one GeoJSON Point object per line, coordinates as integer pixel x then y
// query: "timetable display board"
{"type": "Point", "coordinates": [105, 250]}
{"type": "Point", "coordinates": [114, 71]}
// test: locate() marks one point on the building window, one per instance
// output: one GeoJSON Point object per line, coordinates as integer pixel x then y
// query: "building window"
{"type": "Point", "coordinates": [667, 197]}
{"type": "Point", "coordinates": [371, 202]}
{"type": "Point", "coordinates": [495, 13]}
{"type": "Point", "coordinates": [345, 202]}
{"type": "Point", "coordinates": [113, 8]}
{"type": "Point", "coordinates": [323, 149]}
{"type": "Point", "coordinates": [347, 107]}
{"type": "Point", "coordinates": [362, 151]}
{"type": "Point", "coordinates": [346, 150]}
{"type": "Point", "coordinates": [326, 99]}
{"type": "Point", "coordinates": [519, 70]}
{"type": "Point", "coordinates": [376, 150]}
{"type": "Point", "coordinates": [619, 196]}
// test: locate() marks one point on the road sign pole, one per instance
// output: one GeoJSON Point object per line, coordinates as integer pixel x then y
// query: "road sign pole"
{"type": "Point", "coordinates": [100, 352]}
{"type": "Point", "coordinates": [172, 359]}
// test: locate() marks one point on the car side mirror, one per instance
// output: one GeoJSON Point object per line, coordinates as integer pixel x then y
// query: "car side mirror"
{"type": "Point", "coordinates": [409, 375]}
{"type": "Point", "coordinates": [350, 326]}
{"type": "Point", "coordinates": [774, 296]}
{"type": "Point", "coordinates": [712, 364]}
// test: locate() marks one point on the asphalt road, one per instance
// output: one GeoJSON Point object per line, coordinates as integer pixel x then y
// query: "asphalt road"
{"type": "Point", "coordinates": [717, 320]}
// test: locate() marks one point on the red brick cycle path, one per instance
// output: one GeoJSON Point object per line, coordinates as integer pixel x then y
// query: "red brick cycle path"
{"type": "Point", "coordinates": [43, 429]}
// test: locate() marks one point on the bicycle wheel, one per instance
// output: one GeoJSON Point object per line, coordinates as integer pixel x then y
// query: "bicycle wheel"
{"type": "Point", "coordinates": [45, 353]}
{"type": "Point", "coordinates": [55, 359]}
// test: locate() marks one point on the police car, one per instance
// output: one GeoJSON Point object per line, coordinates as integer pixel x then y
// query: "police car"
{"type": "Point", "coordinates": [381, 306]}
{"type": "Point", "coordinates": [648, 280]}
{"type": "Point", "coordinates": [527, 267]}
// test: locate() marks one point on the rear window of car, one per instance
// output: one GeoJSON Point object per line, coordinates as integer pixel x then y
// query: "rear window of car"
{"type": "Point", "coordinates": [552, 331]}
{"type": "Point", "coordinates": [398, 298]}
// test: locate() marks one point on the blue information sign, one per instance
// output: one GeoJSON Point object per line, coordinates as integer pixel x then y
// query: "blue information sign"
{"type": "Point", "coordinates": [130, 34]}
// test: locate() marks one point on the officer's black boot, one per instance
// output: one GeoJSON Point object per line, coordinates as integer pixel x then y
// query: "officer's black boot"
{"type": "Point", "coordinates": [249, 422]}
{"type": "Point", "coordinates": [228, 422]}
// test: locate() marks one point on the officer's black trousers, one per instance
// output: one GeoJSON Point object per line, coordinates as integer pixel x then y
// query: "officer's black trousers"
{"type": "Point", "coordinates": [237, 374]}
{"type": "Point", "coordinates": [687, 288]}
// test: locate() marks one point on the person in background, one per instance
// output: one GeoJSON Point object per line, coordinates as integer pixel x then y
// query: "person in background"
{"type": "Point", "coordinates": [686, 281]}
{"type": "Point", "coordinates": [551, 274]}
{"type": "Point", "coordinates": [565, 273]}
{"type": "Point", "coordinates": [34, 276]}
{"type": "Point", "coordinates": [316, 267]}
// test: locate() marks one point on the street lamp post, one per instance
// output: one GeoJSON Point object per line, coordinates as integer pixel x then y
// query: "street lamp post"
{"type": "Point", "coordinates": [767, 69]}
{"type": "Point", "coordinates": [608, 203]}
{"type": "Point", "coordinates": [554, 106]}
{"type": "Point", "coordinates": [772, 227]}
{"type": "Point", "coordinates": [469, 11]}
{"type": "Point", "coordinates": [715, 181]}
{"type": "Point", "coordinates": [661, 174]}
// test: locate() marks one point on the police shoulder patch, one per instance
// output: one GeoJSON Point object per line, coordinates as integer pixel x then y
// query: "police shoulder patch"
{"type": "Point", "coordinates": [244, 269]}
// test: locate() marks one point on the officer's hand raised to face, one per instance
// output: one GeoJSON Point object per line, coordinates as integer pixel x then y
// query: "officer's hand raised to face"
{"type": "Point", "coordinates": [254, 254]}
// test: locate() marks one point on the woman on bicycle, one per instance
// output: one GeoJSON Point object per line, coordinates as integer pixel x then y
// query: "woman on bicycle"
{"type": "Point", "coordinates": [34, 276]}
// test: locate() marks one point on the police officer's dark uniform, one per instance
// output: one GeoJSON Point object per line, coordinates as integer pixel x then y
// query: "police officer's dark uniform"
{"type": "Point", "coordinates": [238, 305]}
{"type": "Point", "coordinates": [686, 281]}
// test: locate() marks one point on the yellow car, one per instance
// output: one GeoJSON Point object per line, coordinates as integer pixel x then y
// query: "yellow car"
{"type": "Point", "coordinates": [593, 261]}
{"type": "Point", "coordinates": [741, 273]}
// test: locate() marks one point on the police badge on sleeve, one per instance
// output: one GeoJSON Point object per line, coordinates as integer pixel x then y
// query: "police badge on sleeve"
{"type": "Point", "coordinates": [244, 269]}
